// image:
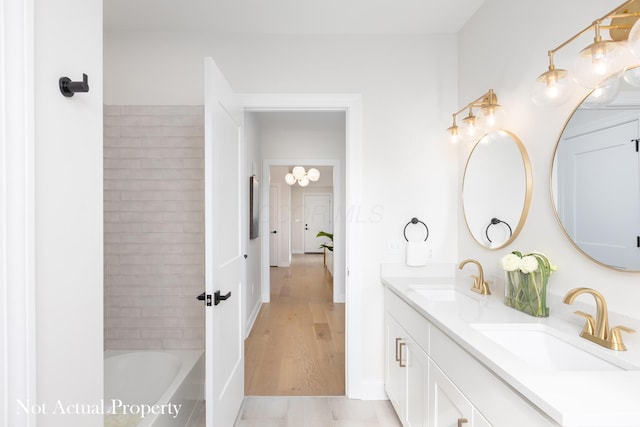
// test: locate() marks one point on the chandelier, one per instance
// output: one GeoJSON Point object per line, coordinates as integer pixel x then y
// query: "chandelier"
{"type": "Point", "coordinates": [301, 176]}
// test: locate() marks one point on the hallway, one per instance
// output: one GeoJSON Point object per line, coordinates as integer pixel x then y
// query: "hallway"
{"type": "Point", "coordinates": [296, 346]}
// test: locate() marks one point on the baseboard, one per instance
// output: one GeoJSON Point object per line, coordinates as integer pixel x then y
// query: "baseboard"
{"type": "Point", "coordinates": [372, 390]}
{"type": "Point", "coordinates": [252, 318]}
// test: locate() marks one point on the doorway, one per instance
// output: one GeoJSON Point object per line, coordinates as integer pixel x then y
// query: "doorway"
{"type": "Point", "coordinates": [351, 105]}
{"type": "Point", "coordinates": [297, 343]}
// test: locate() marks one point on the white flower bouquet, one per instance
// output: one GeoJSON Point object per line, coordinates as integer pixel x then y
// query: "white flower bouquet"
{"type": "Point", "coordinates": [526, 279]}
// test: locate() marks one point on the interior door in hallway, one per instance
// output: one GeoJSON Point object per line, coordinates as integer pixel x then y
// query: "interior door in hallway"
{"type": "Point", "coordinates": [224, 365]}
{"type": "Point", "coordinates": [274, 203]}
{"type": "Point", "coordinates": [317, 217]}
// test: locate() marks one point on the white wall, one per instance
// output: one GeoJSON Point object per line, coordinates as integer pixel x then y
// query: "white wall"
{"type": "Point", "coordinates": [305, 135]}
{"type": "Point", "coordinates": [509, 64]}
{"type": "Point", "coordinates": [408, 86]}
{"type": "Point", "coordinates": [253, 165]}
{"type": "Point", "coordinates": [68, 222]}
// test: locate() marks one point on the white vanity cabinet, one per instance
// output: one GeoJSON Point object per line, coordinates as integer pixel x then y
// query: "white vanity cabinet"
{"type": "Point", "coordinates": [395, 373]}
{"type": "Point", "coordinates": [433, 382]}
{"type": "Point", "coordinates": [406, 374]}
{"type": "Point", "coordinates": [448, 406]}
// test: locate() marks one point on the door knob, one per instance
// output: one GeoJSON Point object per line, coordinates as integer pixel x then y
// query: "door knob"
{"type": "Point", "coordinates": [217, 297]}
{"type": "Point", "coordinates": [205, 297]}
{"type": "Point", "coordinates": [274, 232]}
{"type": "Point", "coordinates": [462, 421]}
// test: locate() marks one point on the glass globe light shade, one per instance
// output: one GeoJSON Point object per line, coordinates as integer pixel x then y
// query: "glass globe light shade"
{"type": "Point", "coordinates": [632, 76]}
{"type": "Point", "coordinates": [454, 134]}
{"type": "Point", "coordinates": [304, 181]}
{"type": "Point", "coordinates": [492, 117]}
{"type": "Point", "coordinates": [604, 94]}
{"type": "Point", "coordinates": [552, 88]}
{"type": "Point", "coordinates": [633, 42]}
{"type": "Point", "coordinates": [290, 179]}
{"type": "Point", "coordinates": [298, 172]}
{"type": "Point", "coordinates": [470, 126]}
{"type": "Point", "coordinates": [598, 62]}
{"type": "Point", "coordinates": [491, 137]}
{"type": "Point", "coordinates": [313, 174]}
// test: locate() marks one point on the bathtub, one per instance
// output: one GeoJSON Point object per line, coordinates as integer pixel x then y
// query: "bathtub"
{"type": "Point", "coordinates": [159, 388]}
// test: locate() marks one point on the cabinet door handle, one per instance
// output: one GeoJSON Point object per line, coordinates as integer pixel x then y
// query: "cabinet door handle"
{"type": "Point", "coordinates": [397, 354]}
{"type": "Point", "coordinates": [462, 421]}
{"type": "Point", "coordinates": [402, 365]}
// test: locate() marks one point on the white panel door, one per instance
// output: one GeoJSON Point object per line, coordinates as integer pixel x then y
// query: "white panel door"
{"type": "Point", "coordinates": [223, 250]}
{"type": "Point", "coordinates": [274, 206]}
{"type": "Point", "coordinates": [602, 214]}
{"type": "Point", "coordinates": [317, 217]}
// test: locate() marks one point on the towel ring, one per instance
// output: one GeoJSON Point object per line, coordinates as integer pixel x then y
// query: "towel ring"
{"type": "Point", "coordinates": [415, 221]}
{"type": "Point", "coordinates": [495, 221]}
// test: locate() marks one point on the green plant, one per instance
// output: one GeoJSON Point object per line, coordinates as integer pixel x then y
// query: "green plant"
{"type": "Point", "coordinates": [330, 236]}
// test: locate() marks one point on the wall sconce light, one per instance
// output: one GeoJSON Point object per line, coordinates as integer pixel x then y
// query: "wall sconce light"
{"type": "Point", "coordinates": [472, 125]}
{"type": "Point", "coordinates": [301, 176]}
{"type": "Point", "coordinates": [598, 65]}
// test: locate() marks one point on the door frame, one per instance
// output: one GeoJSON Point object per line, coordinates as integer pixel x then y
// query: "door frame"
{"type": "Point", "coordinates": [352, 270]}
{"type": "Point", "coordinates": [17, 213]}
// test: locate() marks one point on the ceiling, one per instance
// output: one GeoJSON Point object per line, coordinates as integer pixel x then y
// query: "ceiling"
{"type": "Point", "coordinates": [290, 16]}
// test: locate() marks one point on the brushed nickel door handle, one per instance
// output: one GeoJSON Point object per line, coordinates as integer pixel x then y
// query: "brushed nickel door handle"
{"type": "Point", "coordinates": [402, 365]}
{"type": "Point", "coordinates": [462, 421]}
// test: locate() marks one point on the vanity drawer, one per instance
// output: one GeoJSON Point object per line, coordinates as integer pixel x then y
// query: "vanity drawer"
{"type": "Point", "coordinates": [414, 323]}
{"type": "Point", "coordinates": [499, 403]}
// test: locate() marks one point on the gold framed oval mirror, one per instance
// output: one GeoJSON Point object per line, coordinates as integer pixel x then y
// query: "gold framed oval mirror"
{"type": "Point", "coordinates": [496, 189]}
{"type": "Point", "coordinates": [595, 179]}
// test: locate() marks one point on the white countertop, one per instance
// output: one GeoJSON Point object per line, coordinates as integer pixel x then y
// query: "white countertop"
{"type": "Point", "coordinates": [571, 398]}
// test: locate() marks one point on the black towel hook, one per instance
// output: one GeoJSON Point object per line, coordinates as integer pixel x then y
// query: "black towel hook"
{"type": "Point", "coordinates": [415, 221]}
{"type": "Point", "coordinates": [495, 221]}
{"type": "Point", "coordinates": [68, 88]}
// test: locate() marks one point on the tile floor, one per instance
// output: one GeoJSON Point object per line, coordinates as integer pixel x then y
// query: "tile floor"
{"type": "Point", "coordinates": [334, 411]}
{"type": "Point", "coordinates": [296, 411]}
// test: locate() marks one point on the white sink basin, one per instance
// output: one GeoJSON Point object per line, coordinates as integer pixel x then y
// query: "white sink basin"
{"type": "Point", "coordinates": [543, 347]}
{"type": "Point", "coordinates": [438, 294]}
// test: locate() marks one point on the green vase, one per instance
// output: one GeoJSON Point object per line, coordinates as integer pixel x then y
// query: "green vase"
{"type": "Point", "coordinates": [527, 292]}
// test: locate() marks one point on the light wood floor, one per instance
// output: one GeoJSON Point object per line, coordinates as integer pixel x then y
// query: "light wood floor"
{"type": "Point", "coordinates": [296, 346]}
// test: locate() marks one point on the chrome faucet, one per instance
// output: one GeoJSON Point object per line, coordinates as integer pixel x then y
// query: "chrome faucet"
{"type": "Point", "coordinates": [598, 330]}
{"type": "Point", "coordinates": [479, 284]}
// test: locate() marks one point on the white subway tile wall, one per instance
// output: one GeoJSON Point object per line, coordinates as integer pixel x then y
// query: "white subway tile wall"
{"type": "Point", "coordinates": [153, 227]}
